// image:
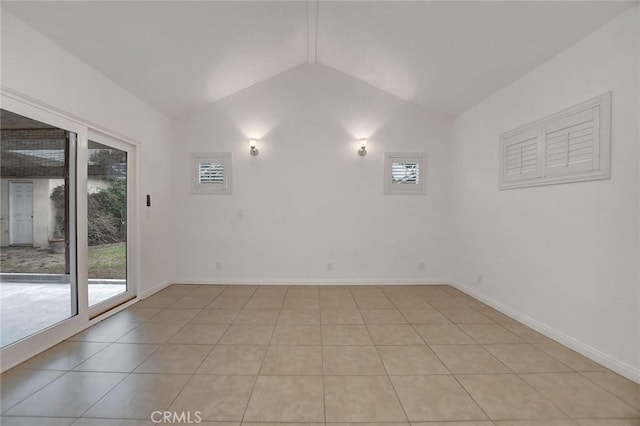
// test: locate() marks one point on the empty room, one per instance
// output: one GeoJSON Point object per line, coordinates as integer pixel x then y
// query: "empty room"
{"type": "Point", "coordinates": [320, 213]}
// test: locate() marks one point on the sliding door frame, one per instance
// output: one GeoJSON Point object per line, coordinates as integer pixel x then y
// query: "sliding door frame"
{"type": "Point", "coordinates": [24, 349]}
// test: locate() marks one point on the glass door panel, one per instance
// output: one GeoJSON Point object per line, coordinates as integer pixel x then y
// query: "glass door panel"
{"type": "Point", "coordinates": [107, 190]}
{"type": "Point", "coordinates": [37, 254]}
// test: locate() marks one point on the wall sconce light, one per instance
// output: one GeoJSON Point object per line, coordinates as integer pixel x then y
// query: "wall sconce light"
{"type": "Point", "coordinates": [253, 143]}
{"type": "Point", "coordinates": [362, 143]}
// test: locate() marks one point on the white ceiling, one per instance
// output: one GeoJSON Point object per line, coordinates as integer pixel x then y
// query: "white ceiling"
{"type": "Point", "coordinates": [446, 56]}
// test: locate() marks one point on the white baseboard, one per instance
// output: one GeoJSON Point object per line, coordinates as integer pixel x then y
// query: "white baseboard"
{"type": "Point", "coordinates": [310, 281]}
{"type": "Point", "coordinates": [590, 352]}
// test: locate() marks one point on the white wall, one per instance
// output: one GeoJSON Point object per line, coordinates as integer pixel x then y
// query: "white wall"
{"type": "Point", "coordinates": [564, 257]}
{"type": "Point", "coordinates": [34, 66]}
{"type": "Point", "coordinates": [308, 199]}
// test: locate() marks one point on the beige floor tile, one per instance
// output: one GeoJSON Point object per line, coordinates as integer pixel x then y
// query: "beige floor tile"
{"type": "Point", "coordinates": [233, 359]}
{"type": "Point", "coordinates": [237, 291]}
{"type": "Point", "coordinates": [351, 360]}
{"type": "Point", "coordinates": [138, 395]}
{"type": "Point", "coordinates": [479, 423]}
{"type": "Point", "coordinates": [150, 333]}
{"type": "Point", "coordinates": [345, 335]}
{"type": "Point", "coordinates": [548, 422]}
{"type": "Point", "coordinates": [424, 316]}
{"type": "Point", "coordinates": [366, 292]}
{"type": "Point", "coordinates": [447, 302]}
{"type": "Point", "coordinates": [281, 424]}
{"type": "Point", "coordinates": [469, 359]}
{"type": "Point", "coordinates": [579, 397]}
{"type": "Point", "coordinates": [218, 398]}
{"type": "Point", "coordinates": [221, 302]}
{"type": "Point", "coordinates": [619, 386]}
{"type": "Point", "coordinates": [18, 384]}
{"type": "Point", "coordinates": [336, 303]}
{"type": "Point", "coordinates": [609, 422]}
{"type": "Point", "coordinates": [508, 397]}
{"type": "Point", "coordinates": [413, 302]}
{"type": "Point", "coordinates": [498, 317]}
{"type": "Point", "coordinates": [361, 399]}
{"type": "Point", "coordinates": [270, 292]}
{"type": "Point", "coordinates": [292, 361]}
{"type": "Point", "coordinates": [36, 421]}
{"type": "Point", "coordinates": [465, 316]}
{"type": "Point", "coordinates": [299, 317]}
{"type": "Point", "coordinates": [383, 316]}
{"type": "Point", "coordinates": [174, 316]}
{"type": "Point", "coordinates": [64, 356]}
{"type": "Point", "coordinates": [264, 303]}
{"type": "Point", "coordinates": [158, 301]}
{"type": "Point", "coordinates": [257, 316]}
{"type": "Point", "coordinates": [341, 316]}
{"type": "Point", "coordinates": [296, 335]}
{"type": "Point", "coordinates": [299, 303]}
{"type": "Point", "coordinates": [526, 358]}
{"type": "Point", "coordinates": [191, 302]}
{"type": "Point", "coordinates": [118, 358]}
{"type": "Point", "coordinates": [68, 396]}
{"type": "Point", "coordinates": [206, 292]}
{"type": "Point", "coordinates": [175, 359]}
{"type": "Point", "coordinates": [435, 398]}
{"type": "Point", "coordinates": [303, 293]}
{"type": "Point", "coordinates": [286, 399]}
{"type": "Point", "coordinates": [569, 358]}
{"type": "Point", "coordinates": [215, 316]}
{"type": "Point", "coordinates": [394, 334]}
{"type": "Point", "coordinates": [410, 360]}
{"type": "Point", "coordinates": [374, 303]}
{"type": "Point", "coordinates": [178, 290]}
{"type": "Point", "coordinates": [370, 424]}
{"type": "Point", "coordinates": [135, 314]}
{"type": "Point", "coordinates": [443, 334]}
{"type": "Point", "coordinates": [199, 334]}
{"type": "Point", "coordinates": [527, 334]}
{"type": "Point", "coordinates": [105, 331]}
{"type": "Point", "coordinates": [241, 334]}
{"type": "Point", "coordinates": [487, 334]}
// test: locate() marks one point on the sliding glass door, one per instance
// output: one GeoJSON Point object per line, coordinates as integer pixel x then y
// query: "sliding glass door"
{"type": "Point", "coordinates": [109, 189]}
{"type": "Point", "coordinates": [38, 281]}
{"type": "Point", "coordinates": [67, 221]}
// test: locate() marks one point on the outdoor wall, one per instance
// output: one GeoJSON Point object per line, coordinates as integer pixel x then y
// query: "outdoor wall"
{"type": "Point", "coordinates": [36, 67]}
{"type": "Point", "coordinates": [563, 257]}
{"type": "Point", "coordinates": [308, 199]}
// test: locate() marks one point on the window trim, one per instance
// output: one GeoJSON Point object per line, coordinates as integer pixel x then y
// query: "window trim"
{"type": "Point", "coordinates": [391, 188]}
{"type": "Point", "coordinates": [602, 154]}
{"type": "Point", "coordinates": [217, 157]}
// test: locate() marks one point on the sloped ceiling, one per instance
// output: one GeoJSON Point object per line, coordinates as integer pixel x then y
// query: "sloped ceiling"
{"type": "Point", "coordinates": [445, 56]}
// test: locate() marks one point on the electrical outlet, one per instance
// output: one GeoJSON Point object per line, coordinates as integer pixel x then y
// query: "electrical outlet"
{"type": "Point", "coordinates": [421, 266]}
{"type": "Point", "coordinates": [479, 278]}
{"type": "Point", "coordinates": [240, 214]}
{"type": "Point", "coordinates": [218, 265]}
{"type": "Point", "coordinates": [329, 266]}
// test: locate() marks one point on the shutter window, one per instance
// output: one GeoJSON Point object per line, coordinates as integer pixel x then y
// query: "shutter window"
{"type": "Point", "coordinates": [403, 173]}
{"type": "Point", "coordinates": [572, 145]}
{"type": "Point", "coordinates": [211, 173]}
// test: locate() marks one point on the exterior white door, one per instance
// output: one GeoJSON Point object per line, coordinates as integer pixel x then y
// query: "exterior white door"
{"type": "Point", "coordinates": [21, 213]}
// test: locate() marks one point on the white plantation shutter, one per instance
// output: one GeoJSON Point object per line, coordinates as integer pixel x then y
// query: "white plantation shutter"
{"type": "Point", "coordinates": [404, 173]}
{"type": "Point", "coordinates": [572, 145]}
{"type": "Point", "coordinates": [211, 173]}
{"type": "Point", "coordinates": [521, 155]}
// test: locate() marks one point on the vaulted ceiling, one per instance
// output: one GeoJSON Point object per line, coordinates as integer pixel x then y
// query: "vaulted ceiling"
{"type": "Point", "coordinates": [445, 56]}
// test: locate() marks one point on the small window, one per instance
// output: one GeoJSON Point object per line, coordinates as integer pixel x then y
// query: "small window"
{"type": "Point", "coordinates": [404, 173]}
{"type": "Point", "coordinates": [570, 146]}
{"type": "Point", "coordinates": [211, 173]}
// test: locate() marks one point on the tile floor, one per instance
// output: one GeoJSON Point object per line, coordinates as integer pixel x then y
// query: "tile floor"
{"type": "Point", "coordinates": [425, 355]}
